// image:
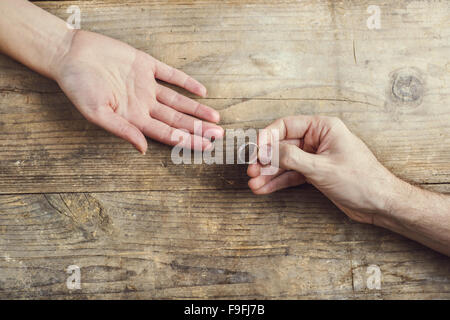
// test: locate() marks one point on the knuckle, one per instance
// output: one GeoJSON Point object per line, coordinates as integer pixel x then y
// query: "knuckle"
{"type": "Point", "coordinates": [174, 99]}
{"type": "Point", "coordinates": [171, 73]}
{"type": "Point", "coordinates": [164, 133]}
{"type": "Point", "coordinates": [333, 122]}
{"type": "Point", "coordinates": [176, 119]}
{"type": "Point", "coordinates": [197, 109]}
{"type": "Point", "coordinates": [279, 122]}
{"type": "Point", "coordinates": [337, 121]}
{"type": "Point", "coordinates": [319, 118]}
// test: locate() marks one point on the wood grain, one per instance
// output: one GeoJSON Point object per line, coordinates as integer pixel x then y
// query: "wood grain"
{"type": "Point", "coordinates": [260, 61]}
{"type": "Point", "coordinates": [202, 244]}
{"type": "Point", "coordinates": [142, 227]}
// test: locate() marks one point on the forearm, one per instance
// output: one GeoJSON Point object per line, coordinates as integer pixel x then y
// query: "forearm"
{"type": "Point", "coordinates": [33, 36]}
{"type": "Point", "coordinates": [418, 214]}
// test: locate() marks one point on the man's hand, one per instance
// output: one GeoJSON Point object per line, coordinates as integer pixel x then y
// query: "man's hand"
{"type": "Point", "coordinates": [323, 152]}
{"type": "Point", "coordinates": [113, 85]}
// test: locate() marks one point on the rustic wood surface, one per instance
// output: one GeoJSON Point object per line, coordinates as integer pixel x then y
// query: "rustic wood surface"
{"type": "Point", "coordinates": [142, 227]}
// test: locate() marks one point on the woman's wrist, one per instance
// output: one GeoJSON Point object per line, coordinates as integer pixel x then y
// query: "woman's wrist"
{"type": "Point", "coordinates": [60, 52]}
{"type": "Point", "coordinates": [53, 42]}
{"type": "Point", "coordinates": [33, 36]}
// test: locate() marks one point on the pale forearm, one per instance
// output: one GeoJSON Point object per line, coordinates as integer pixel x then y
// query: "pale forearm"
{"type": "Point", "coordinates": [33, 36]}
{"type": "Point", "coordinates": [418, 214]}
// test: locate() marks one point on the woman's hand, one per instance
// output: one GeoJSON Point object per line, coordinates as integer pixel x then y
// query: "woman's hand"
{"type": "Point", "coordinates": [113, 85]}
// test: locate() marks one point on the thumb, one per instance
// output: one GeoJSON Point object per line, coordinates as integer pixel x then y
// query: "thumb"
{"type": "Point", "coordinates": [292, 157]}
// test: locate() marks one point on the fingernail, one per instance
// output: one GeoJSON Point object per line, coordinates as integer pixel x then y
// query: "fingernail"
{"type": "Point", "coordinates": [214, 132]}
{"type": "Point", "coordinates": [265, 154]}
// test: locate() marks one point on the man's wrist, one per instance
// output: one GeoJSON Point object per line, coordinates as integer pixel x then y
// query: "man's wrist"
{"type": "Point", "coordinates": [397, 193]}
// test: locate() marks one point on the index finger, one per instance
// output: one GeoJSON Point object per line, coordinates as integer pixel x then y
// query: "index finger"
{"type": "Point", "coordinates": [294, 127]}
{"type": "Point", "coordinates": [174, 76]}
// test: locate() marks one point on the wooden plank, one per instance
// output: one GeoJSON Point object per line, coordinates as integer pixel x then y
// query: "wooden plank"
{"type": "Point", "coordinates": [202, 244]}
{"type": "Point", "coordinates": [198, 232]}
{"type": "Point", "coordinates": [260, 61]}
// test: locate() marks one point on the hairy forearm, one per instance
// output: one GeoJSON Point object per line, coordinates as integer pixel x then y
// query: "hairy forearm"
{"type": "Point", "coordinates": [33, 36]}
{"type": "Point", "coordinates": [418, 214]}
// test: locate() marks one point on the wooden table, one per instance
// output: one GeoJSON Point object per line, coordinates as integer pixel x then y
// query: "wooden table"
{"type": "Point", "coordinates": [142, 227]}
